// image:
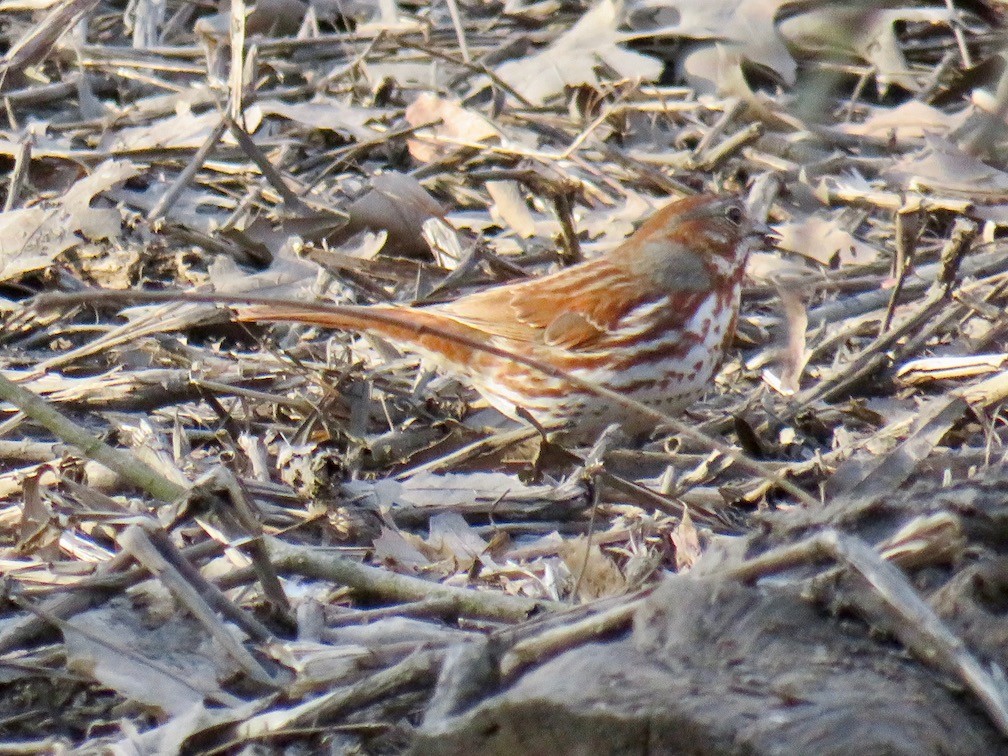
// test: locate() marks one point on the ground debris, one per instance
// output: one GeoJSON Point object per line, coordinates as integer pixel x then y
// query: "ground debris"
{"type": "Point", "coordinates": [217, 533]}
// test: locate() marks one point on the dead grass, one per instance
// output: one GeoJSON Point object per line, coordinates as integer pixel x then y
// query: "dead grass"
{"type": "Point", "coordinates": [301, 524]}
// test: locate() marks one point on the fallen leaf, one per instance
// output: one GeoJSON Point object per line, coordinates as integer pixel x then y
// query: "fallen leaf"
{"type": "Point", "coordinates": [451, 537]}
{"type": "Point", "coordinates": [792, 355]}
{"type": "Point", "coordinates": [822, 238]}
{"type": "Point", "coordinates": [735, 31]}
{"type": "Point", "coordinates": [905, 123]}
{"type": "Point", "coordinates": [510, 208]}
{"type": "Point", "coordinates": [321, 112]}
{"type": "Point", "coordinates": [181, 131]}
{"type": "Point", "coordinates": [596, 574]}
{"type": "Point", "coordinates": [943, 166]}
{"type": "Point", "coordinates": [686, 542]}
{"type": "Point", "coordinates": [392, 548]}
{"type": "Point", "coordinates": [453, 123]}
{"type": "Point", "coordinates": [573, 58]}
{"type": "Point", "coordinates": [31, 238]}
{"type": "Point", "coordinates": [170, 666]}
{"type": "Point", "coordinates": [398, 204]}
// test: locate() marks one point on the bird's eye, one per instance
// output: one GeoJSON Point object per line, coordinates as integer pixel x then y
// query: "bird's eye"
{"type": "Point", "coordinates": [734, 213]}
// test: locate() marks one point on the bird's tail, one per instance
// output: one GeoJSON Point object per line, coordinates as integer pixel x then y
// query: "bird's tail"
{"type": "Point", "coordinates": [428, 332]}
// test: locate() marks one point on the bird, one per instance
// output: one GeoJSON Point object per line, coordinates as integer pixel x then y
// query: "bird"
{"type": "Point", "coordinates": [650, 319]}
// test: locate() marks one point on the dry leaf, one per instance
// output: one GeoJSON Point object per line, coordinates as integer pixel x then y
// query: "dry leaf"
{"type": "Point", "coordinates": [573, 58]}
{"type": "Point", "coordinates": [823, 239]}
{"type": "Point", "coordinates": [480, 490]}
{"type": "Point", "coordinates": [453, 123]}
{"type": "Point", "coordinates": [181, 131]}
{"type": "Point", "coordinates": [793, 354]}
{"type": "Point", "coordinates": [687, 543]}
{"type": "Point", "coordinates": [510, 208]}
{"type": "Point", "coordinates": [532, 12]}
{"type": "Point", "coordinates": [943, 166]}
{"type": "Point", "coordinates": [907, 122]}
{"type": "Point", "coordinates": [31, 238]}
{"type": "Point", "coordinates": [38, 532]}
{"type": "Point", "coordinates": [861, 480]}
{"type": "Point", "coordinates": [610, 226]}
{"type": "Point", "coordinates": [321, 112]}
{"type": "Point", "coordinates": [451, 537]}
{"type": "Point", "coordinates": [737, 31]}
{"type": "Point", "coordinates": [392, 548]}
{"type": "Point", "coordinates": [170, 666]}
{"type": "Point", "coordinates": [398, 204]}
{"type": "Point", "coordinates": [596, 574]}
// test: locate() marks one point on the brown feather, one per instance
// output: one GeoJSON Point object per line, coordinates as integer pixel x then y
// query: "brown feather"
{"type": "Point", "coordinates": [638, 302]}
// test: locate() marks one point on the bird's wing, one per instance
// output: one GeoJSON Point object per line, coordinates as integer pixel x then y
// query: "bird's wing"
{"type": "Point", "coordinates": [580, 307]}
{"type": "Point", "coordinates": [566, 311]}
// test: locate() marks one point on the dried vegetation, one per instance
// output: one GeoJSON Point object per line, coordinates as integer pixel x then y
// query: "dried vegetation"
{"type": "Point", "coordinates": [216, 534]}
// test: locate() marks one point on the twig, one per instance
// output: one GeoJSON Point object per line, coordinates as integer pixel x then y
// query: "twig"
{"type": "Point", "coordinates": [22, 162]}
{"type": "Point", "coordinates": [456, 18]}
{"type": "Point", "coordinates": [122, 463]}
{"type": "Point", "coordinates": [716, 156]}
{"type": "Point", "coordinates": [871, 359]}
{"type": "Point", "coordinates": [36, 44]}
{"type": "Point", "coordinates": [373, 581]}
{"type": "Point", "coordinates": [549, 643]}
{"type": "Point", "coordinates": [112, 576]}
{"type": "Point", "coordinates": [184, 569]}
{"type": "Point", "coordinates": [908, 226]}
{"type": "Point", "coordinates": [415, 670]}
{"type": "Point", "coordinates": [251, 149]}
{"type": "Point", "coordinates": [186, 176]}
{"type": "Point", "coordinates": [135, 541]}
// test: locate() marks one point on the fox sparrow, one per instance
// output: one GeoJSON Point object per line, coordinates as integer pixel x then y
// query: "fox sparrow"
{"type": "Point", "coordinates": [650, 320]}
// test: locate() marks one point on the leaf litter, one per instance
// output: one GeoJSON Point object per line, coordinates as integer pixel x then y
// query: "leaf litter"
{"type": "Point", "coordinates": [316, 483]}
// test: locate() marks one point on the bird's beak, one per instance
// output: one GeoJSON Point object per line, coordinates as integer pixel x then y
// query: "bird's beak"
{"type": "Point", "coordinates": [765, 233]}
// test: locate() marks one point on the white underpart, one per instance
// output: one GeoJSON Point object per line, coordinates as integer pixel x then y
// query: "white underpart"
{"type": "Point", "coordinates": [697, 353]}
{"type": "Point", "coordinates": [671, 397]}
{"type": "Point", "coordinates": [640, 319]}
{"type": "Point", "coordinates": [727, 267]}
